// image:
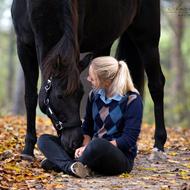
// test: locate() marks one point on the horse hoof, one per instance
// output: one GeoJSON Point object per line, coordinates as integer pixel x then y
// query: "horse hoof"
{"type": "Point", "coordinates": [157, 155]}
{"type": "Point", "coordinates": [27, 157]}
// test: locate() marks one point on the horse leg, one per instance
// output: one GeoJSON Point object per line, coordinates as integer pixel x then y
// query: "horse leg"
{"type": "Point", "coordinates": [146, 39]}
{"type": "Point", "coordinates": [150, 57]}
{"type": "Point", "coordinates": [156, 81]}
{"type": "Point", "coordinates": [28, 59]}
{"type": "Point", "coordinates": [127, 51]}
{"type": "Point", "coordinates": [146, 57]}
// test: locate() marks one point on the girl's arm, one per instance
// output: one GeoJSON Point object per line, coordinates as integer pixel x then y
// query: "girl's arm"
{"type": "Point", "coordinates": [86, 140]}
{"type": "Point", "coordinates": [132, 125]}
{"type": "Point", "coordinates": [87, 125]}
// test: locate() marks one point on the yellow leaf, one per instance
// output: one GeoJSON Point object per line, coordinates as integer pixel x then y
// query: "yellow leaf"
{"type": "Point", "coordinates": [20, 178]}
{"type": "Point", "coordinates": [147, 169]}
{"type": "Point", "coordinates": [10, 166]}
{"type": "Point", "coordinates": [172, 153]}
{"type": "Point", "coordinates": [186, 177]}
{"type": "Point", "coordinates": [116, 187]}
{"type": "Point", "coordinates": [40, 177]}
{"type": "Point", "coordinates": [125, 175]}
{"type": "Point", "coordinates": [1, 149]}
{"type": "Point", "coordinates": [186, 165]}
{"type": "Point", "coordinates": [184, 174]}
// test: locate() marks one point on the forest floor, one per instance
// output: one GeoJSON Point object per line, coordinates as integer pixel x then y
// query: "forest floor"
{"type": "Point", "coordinates": [17, 174]}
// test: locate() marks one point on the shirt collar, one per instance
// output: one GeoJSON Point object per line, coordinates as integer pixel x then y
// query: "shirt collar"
{"type": "Point", "coordinates": [106, 100]}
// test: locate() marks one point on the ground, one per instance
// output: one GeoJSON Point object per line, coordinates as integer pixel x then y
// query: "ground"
{"type": "Point", "coordinates": [16, 174]}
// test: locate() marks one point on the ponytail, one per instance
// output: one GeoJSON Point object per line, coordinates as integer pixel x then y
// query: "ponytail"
{"type": "Point", "coordinates": [116, 72]}
{"type": "Point", "coordinates": [122, 81]}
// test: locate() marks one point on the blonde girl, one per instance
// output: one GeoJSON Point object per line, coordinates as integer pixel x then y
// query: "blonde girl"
{"type": "Point", "coordinates": [113, 118]}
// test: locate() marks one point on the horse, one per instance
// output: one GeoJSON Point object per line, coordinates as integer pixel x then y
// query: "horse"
{"type": "Point", "coordinates": [52, 34]}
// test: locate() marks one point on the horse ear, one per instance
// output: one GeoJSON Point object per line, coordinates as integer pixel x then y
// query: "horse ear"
{"type": "Point", "coordinates": [83, 64]}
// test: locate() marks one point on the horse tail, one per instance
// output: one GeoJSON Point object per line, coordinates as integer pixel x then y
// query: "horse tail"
{"type": "Point", "coordinates": [65, 53]}
{"type": "Point", "coordinates": [128, 51]}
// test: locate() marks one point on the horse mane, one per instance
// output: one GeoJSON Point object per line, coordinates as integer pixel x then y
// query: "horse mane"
{"type": "Point", "coordinates": [65, 54]}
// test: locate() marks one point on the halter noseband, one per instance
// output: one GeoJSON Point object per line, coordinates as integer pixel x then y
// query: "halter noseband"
{"type": "Point", "coordinates": [59, 126]}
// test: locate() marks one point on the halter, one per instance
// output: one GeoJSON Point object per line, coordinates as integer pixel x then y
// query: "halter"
{"type": "Point", "coordinates": [59, 126]}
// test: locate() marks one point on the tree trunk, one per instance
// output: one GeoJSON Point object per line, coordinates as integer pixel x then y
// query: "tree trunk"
{"type": "Point", "coordinates": [11, 70]}
{"type": "Point", "coordinates": [177, 66]}
{"type": "Point", "coordinates": [18, 101]}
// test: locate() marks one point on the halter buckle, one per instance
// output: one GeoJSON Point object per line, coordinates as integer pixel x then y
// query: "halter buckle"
{"type": "Point", "coordinates": [48, 85]}
{"type": "Point", "coordinates": [59, 125]}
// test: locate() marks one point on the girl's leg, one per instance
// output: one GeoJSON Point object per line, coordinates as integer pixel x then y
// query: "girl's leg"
{"type": "Point", "coordinates": [51, 147]}
{"type": "Point", "coordinates": [103, 157]}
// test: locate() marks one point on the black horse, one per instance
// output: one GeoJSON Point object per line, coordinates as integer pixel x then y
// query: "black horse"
{"type": "Point", "coordinates": [51, 34]}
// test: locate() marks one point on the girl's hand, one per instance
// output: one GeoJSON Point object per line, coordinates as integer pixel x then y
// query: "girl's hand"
{"type": "Point", "coordinates": [79, 151]}
{"type": "Point", "coordinates": [114, 143]}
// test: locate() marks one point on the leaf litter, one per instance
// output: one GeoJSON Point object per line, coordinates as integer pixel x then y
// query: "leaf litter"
{"type": "Point", "coordinates": [173, 173]}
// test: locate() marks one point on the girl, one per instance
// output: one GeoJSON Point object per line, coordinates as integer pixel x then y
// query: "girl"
{"type": "Point", "coordinates": [111, 125]}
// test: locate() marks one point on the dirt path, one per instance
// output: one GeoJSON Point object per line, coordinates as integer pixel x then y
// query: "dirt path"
{"type": "Point", "coordinates": [173, 173]}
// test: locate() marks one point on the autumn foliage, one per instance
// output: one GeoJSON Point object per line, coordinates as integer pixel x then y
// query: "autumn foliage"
{"type": "Point", "coordinates": [173, 173]}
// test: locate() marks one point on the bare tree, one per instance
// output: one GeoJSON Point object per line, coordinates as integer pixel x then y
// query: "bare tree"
{"type": "Point", "coordinates": [18, 99]}
{"type": "Point", "coordinates": [177, 61]}
{"type": "Point", "coordinates": [11, 68]}
{"type": "Point", "coordinates": [176, 18]}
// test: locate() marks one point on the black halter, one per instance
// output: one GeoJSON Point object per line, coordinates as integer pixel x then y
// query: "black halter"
{"type": "Point", "coordinates": [59, 126]}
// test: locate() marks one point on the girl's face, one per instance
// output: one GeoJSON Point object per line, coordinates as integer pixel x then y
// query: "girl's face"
{"type": "Point", "coordinates": [92, 78]}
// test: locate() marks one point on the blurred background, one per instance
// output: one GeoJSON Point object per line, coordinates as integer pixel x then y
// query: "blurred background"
{"type": "Point", "coordinates": [174, 57]}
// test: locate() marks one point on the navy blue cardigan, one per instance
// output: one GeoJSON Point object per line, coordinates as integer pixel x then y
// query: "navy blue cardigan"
{"type": "Point", "coordinates": [118, 118]}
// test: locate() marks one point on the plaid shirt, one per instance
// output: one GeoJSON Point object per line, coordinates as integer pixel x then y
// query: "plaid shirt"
{"type": "Point", "coordinates": [117, 118]}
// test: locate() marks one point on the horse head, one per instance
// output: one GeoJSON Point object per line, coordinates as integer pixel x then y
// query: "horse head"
{"type": "Point", "coordinates": [60, 100]}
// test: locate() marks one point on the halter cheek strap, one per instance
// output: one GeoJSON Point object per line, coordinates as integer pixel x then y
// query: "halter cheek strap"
{"type": "Point", "coordinates": [59, 125]}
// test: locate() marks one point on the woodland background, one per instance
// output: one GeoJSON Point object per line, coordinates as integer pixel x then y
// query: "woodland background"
{"type": "Point", "coordinates": [174, 55]}
{"type": "Point", "coordinates": [173, 173]}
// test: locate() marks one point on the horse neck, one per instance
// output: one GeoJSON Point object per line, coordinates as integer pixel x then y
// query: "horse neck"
{"type": "Point", "coordinates": [69, 41]}
{"type": "Point", "coordinates": [70, 17]}
{"type": "Point", "coordinates": [66, 51]}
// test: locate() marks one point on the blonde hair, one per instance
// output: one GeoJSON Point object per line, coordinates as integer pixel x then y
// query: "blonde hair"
{"type": "Point", "coordinates": [108, 69]}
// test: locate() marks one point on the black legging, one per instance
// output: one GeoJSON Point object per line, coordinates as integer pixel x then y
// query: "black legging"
{"type": "Point", "coordinates": [100, 156]}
